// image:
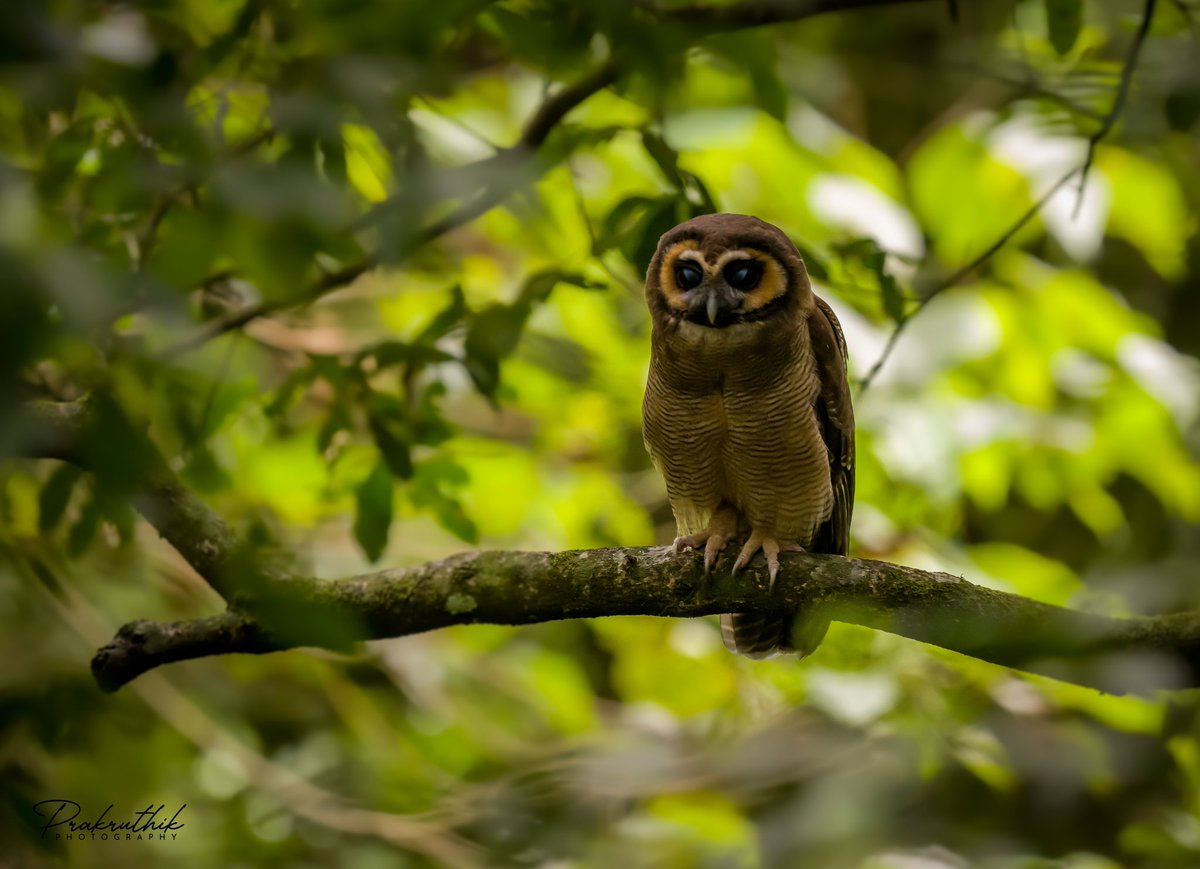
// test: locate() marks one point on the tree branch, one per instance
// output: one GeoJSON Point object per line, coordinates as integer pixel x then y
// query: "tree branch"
{"type": "Point", "coordinates": [276, 609]}
{"type": "Point", "coordinates": [517, 588]}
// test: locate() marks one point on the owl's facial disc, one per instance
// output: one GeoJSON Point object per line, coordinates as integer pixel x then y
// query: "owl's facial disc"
{"type": "Point", "coordinates": [734, 286]}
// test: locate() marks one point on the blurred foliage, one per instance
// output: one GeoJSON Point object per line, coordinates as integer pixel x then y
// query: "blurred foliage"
{"type": "Point", "coordinates": [165, 164]}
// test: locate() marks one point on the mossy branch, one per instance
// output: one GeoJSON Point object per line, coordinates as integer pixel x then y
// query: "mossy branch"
{"type": "Point", "coordinates": [275, 608]}
{"type": "Point", "coordinates": [517, 588]}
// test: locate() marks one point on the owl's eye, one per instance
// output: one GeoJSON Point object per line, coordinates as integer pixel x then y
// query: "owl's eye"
{"type": "Point", "coordinates": [743, 274]}
{"type": "Point", "coordinates": [688, 276]}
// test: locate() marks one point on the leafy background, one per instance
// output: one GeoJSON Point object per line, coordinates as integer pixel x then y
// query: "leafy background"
{"type": "Point", "coordinates": [452, 353]}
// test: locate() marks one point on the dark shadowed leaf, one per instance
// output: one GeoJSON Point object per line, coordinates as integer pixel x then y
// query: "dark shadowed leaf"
{"type": "Point", "coordinates": [393, 447]}
{"type": "Point", "coordinates": [658, 219]}
{"type": "Point", "coordinates": [373, 516]}
{"type": "Point", "coordinates": [445, 319]}
{"type": "Point", "coordinates": [1064, 19]}
{"type": "Point", "coordinates": [55, 494]}
{"type": "Point", "coordinates": [390, 353]}
{"type": "Point", "coordinates": [621, 222]}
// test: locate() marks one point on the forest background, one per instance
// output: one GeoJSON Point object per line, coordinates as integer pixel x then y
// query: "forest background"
{"type": "Point", "coordinates": [365, 280]}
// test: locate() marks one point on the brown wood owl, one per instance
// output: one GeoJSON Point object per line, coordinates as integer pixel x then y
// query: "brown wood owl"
{"type": "Point", "coordinates": [747, 412]}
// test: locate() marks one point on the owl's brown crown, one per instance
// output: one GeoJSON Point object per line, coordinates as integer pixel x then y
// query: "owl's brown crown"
{"type": "Point", "coordinates": [718, 270]}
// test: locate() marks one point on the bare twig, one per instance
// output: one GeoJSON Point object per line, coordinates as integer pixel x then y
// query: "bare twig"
{"type": "Point", "coordinates": [1030, 86]}
{"type": "Point", "coordinates": [1106, 126]}
{"type": "Point", "coordinates": [239, 318]}
{"type": "Point", "coordinates": [759, 13]}
{"type": "Point", "coordinates": [1123, 86]}
{"type": "Point", "coordinates": [962, 273]}
{"type": "Point", "coordinates": [147, 236]}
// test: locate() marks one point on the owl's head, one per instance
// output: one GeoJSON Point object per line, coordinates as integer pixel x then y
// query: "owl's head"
{"type": "Point", "coordinates": [720, 270]}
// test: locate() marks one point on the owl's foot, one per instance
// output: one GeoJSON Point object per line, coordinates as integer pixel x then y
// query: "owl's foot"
{"type": "Point", "coordinates": [771, 549]}
{"type": "Point", "coordinates": [721, 529]}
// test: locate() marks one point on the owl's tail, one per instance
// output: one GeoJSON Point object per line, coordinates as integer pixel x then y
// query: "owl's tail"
{"type": "Point", "coordinates": [767, 635]}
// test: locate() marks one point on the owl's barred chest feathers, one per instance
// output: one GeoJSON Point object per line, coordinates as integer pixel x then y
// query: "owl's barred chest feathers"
{"type": "Point", "coordinates": [735, 421]}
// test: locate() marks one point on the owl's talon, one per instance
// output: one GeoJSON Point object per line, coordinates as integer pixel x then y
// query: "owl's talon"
{"type": "Point", "coordinates": [721, 529]}
{"type": "Point", "coordinates": [770, 548]}
{"type": "Point", "coordinates": [715, 546]}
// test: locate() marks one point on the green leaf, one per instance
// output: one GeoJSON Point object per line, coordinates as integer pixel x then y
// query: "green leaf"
{"type": "Point", "coordinates": [664, 156]}
{"type": "Point", "coordinates": [120, 515]}
{"type": "Point", "coordinates": [55, 494]}
{"type": "Point", "coordinates": [659, 219]}
{"type": "Point", "coordinates": [391, 353]}
{"type": "Point", "coordinates": [429, 491]}
{"type": "Point", "coordinates": [873, 257]}
{"type": "Point", "coordinates": [373, 517]}
{"type": "Point", "coordinates": [492, 336]}
{"type": "Point", "coordinates": [429, 427]}
{"type": "Point", "coordinates": [395, 450]}
{"type": "Point", "coordinates": [893, 300]}
{"type": "Point", "coordinates": [296, 381]}
{"type": "Point", "coordinates": [621, 222]}
{"type": "Point", "coordinates": [338, 420]}
{"type": "Point", "coordinates": [445, 319]}
{"type": "Point", "coordinates": [1064, 20]}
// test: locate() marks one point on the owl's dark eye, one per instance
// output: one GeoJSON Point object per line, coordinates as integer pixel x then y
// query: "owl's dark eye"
{"type": "Point", "coordinates": [688, 276]}
{"type": "Point", "coordinates": [743, 274]}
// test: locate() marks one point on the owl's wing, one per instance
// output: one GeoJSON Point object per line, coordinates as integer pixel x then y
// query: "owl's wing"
{"type": "Point", "coordinates": [835, 416]}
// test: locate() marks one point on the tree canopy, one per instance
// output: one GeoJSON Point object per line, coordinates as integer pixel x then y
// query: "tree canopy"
{"type": "Point", "coordinates": [305, 302]}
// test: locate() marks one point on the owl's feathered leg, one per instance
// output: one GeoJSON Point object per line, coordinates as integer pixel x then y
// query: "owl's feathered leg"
{"type": "Point", "coordinates": [771, 549]}
{"type": "Point", "coordinates": [721, 528]}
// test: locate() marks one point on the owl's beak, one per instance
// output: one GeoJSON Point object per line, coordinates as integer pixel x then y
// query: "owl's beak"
{"type": "Point", "coordinates": [712, 305]}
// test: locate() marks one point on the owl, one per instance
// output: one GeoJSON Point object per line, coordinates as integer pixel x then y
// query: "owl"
{"type": "Point", "coordinates": [747, 412]}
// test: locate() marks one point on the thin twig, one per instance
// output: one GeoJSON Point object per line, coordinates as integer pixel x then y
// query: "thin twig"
{"type": "Point", "coordinates": [1123, 86]}
{"type": "Point", "coordinates": [1109, 121]}
{"type": "Point", "coordinates": [758, 13]}
{"type": "Point", "coordinates": [1030, 86]}
{"type": "Point", "coordinates": [147, 237]}
{"type": "Point", "coordinates": [962, 273]}
{"type": "Point", "coordinates": [239, 318]}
